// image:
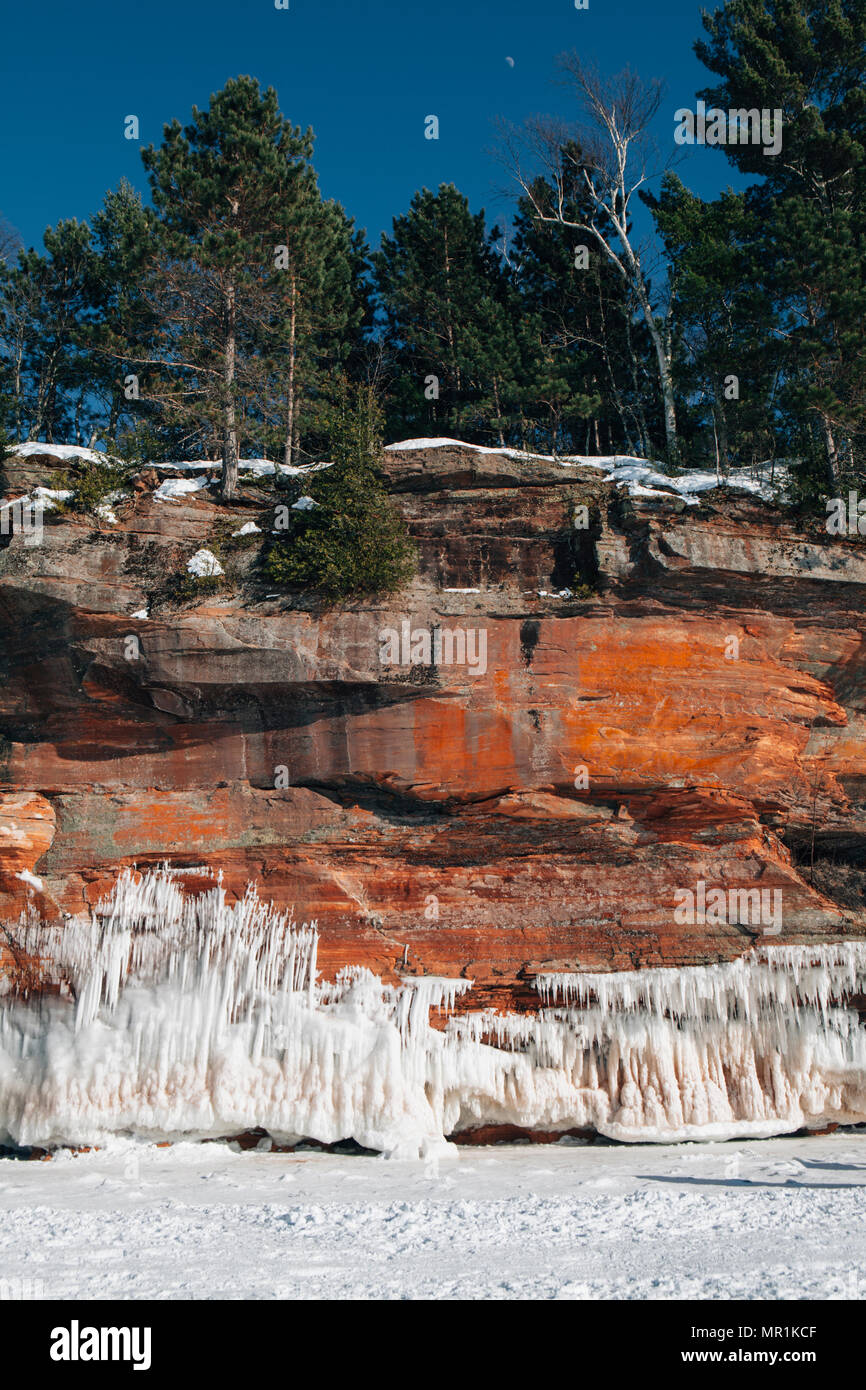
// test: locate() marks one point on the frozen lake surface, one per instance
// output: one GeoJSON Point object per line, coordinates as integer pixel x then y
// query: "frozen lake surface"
{"type": "Point", "coordinates": [778, 1218]}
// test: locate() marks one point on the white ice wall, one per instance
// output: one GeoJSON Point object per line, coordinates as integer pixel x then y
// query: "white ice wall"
{"type": "Point", "coordinates": [185, 1016]}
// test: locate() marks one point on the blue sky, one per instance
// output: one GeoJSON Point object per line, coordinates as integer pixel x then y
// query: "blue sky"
{"type": "Point", "coordinates": [362, 73]}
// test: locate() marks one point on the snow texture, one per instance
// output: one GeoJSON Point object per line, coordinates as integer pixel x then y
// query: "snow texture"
{"type": "Point", "coordinates": [49, 495]}
{"type": "Point", "coordinates": [60, 451]}
{"type": "Point", "coordinates": [174, 1016]}
{"type": "Point", "coordinates": [105, 509]}
{"type": "Point", "coordinates": [640, 478]}
{"type": "Point", "coordinates": [178, 487]}
{"type": "Point", "coordinates": [258, 468]}
{"type": "Point", "coordinates": [773, 1219]}
{"type": "Point", "coordinates": [204, 565]}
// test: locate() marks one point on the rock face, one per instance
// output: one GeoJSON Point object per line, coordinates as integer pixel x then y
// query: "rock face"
{"type": "Point", "coordinates": [579, 725]}
{"type": "Point", "coordinates": [27, 825]}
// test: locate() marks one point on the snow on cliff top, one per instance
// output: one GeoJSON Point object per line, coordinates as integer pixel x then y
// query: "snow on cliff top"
{"type": "Point", "coordinates": [178, 487]}
{"type": "Point", "coordinates": [260, 467]}
{"type": "Point", "coordinates": [640, 477]}
{"type": "Point", "coordinates": [61, 451]}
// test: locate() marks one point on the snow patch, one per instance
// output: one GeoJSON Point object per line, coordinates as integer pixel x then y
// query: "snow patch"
{"type": "Point", "coordinates": [259, 468]}
{"type": "Point", "coordinates": [59, 451]}
{"type": "Point", "coordinates": [178, 487]}
{"type": "Point", "coordinates": [105, 509]}
{"type": "Point", "coordinates": [27, 877]}
{"type": "Point", "coordinates": [204, 564]}
{"type": "Point", "coordinates": [50, 496]}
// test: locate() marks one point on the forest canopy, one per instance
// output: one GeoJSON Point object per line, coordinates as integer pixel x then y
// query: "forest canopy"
{"type": "Point", "coordinates": [228, 315]}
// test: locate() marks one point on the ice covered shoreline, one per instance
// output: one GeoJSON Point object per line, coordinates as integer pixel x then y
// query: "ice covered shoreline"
{"type": "Point", "coordinates": [168, 1016]}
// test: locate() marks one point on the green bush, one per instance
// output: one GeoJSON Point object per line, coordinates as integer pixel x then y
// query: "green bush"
{"type": "Point", "coordinates": [91, 482]}
{"type": "Point", "coordinates": [354, 541]}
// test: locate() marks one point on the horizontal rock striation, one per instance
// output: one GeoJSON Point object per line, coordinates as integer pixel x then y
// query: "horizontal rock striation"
{"type": "Point", "coordinates": [666, 696]}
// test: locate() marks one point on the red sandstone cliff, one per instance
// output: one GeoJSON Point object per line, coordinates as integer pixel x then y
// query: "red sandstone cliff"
{"type": "Point", "coordinates": [435, 820]}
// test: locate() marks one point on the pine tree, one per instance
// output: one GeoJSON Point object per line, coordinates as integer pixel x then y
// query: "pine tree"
{"type": "Point", "coordinates": [353, 540]}
{"type": "Point", "coordinates": [724, 320]}
{"type": "Point", "coordinates": [445, 299]}
{"type": "Point", "coordinates": [583, 373]}
{"type": "Point", "coordinates": [610, 152]}
{"type": "Point", "coordinates": [320, 310]}
{"type": "Point", "coordinates": [222, 187]}
{"type": "Point", "coordinates": [124, 333]}
{"type": "Point", "coordinates": [47, 304]}
{"type": "Point", "coordinates": [807, 59]}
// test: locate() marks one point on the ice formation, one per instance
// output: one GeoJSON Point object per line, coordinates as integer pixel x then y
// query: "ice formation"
{"type": "Point", "coordinates": [168, 1015]}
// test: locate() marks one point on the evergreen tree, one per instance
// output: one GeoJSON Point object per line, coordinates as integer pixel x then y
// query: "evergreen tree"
{"type": "Point", "coordinates": [448, 319]}
{"type": "Point", "coordinates": [125, 328]}
{"type": "Point", "coordinates": [320, 309]}
{"type": "Point", "coordinates": [585, 372]}
{"type": "Point", "coordinates": [223, 187]}
{"type": "Point", "coordinates": [47, 303]}
{"type": "Point", "coordinates": [807, 59]}
{"type": "Point", "coordinates": [610, 154]}
{"type": "Point", "coordinates": [352, 540]}
{"type": "Point", "coordinates": [724, 323]}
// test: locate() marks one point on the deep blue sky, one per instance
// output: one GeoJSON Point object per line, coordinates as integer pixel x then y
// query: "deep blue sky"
{"type": "Point", "coordinates": [363, 73]}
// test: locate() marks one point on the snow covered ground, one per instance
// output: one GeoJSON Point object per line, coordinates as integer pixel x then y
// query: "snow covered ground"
{"type": "Point", "coordinates": [779, 1218]}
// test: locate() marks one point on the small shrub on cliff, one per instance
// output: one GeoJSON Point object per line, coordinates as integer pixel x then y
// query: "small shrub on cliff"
{"type": "Point", "coordinates": [203, 574]}
{"type": "Point", "coordinates": [91, 482]}
{"type": "Point", "coordinates": [353, 540]}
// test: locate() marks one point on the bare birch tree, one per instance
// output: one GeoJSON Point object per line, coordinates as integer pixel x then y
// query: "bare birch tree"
{"type": "Point", "coordinates": [614, 147]}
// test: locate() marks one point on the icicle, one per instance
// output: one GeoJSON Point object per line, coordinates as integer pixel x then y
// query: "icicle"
{"type": "Point", "coordinates": [165, 1015]}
